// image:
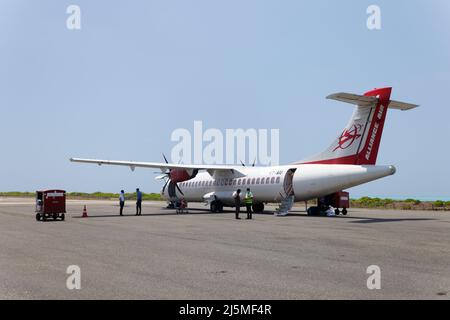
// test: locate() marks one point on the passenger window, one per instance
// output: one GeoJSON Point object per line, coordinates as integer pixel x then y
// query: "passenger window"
{"type": "Point", "coordinates": [253, 180]}
{"type": "Point", "coordinates": [278, 180]}
{"type": "Point", "coordinates": [272, 181]}
{"type": "Point", "coordinates": [257, 181]}
{"type": "Point", "coordinates": [267, 180]}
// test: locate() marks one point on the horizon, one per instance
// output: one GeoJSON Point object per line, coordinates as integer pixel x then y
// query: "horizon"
{"type": "Point", "coordinates": [356, 196]}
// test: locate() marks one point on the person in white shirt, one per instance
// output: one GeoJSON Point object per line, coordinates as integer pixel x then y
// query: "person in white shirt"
{"type": "Point", "coordinates": [121, 201]}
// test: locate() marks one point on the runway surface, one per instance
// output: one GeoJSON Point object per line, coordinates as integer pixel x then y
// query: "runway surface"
{"type": "Point", "coordinates": [200, 255]}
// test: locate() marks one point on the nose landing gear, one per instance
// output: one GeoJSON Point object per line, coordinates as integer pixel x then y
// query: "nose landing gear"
{"type": "Point", "coordinates": [216, 206]}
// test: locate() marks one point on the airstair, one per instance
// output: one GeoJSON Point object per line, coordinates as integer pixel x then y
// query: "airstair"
{"type": "Point", "coordinates": [288, 200]}
{"type": "Point", "coordinates": [285, 206]}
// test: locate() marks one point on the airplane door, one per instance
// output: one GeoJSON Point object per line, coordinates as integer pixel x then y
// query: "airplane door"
{"type": "Point", "coordinates": [288, 182]}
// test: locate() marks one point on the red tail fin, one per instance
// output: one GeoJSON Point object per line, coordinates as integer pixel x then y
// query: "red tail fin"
{"type": "Point", "coordinates": [368, 154]}
{"type": "Point", "coordinates": [360, 140]}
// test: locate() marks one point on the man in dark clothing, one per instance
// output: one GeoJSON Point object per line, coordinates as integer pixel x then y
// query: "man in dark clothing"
{"type": "Point", "coordinates": [237, 202]}
{"type": "Point", "coordinates": [138, 202]}
{"type": "Point", "coordinates": [121, 201]}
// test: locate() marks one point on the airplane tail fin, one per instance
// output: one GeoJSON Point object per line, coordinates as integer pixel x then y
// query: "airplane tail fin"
{"type": "Point", "coordinates": [359, 142]}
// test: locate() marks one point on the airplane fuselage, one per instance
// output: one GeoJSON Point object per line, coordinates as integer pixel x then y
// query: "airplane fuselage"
{"type": "Point", "coordinates": [272, 184]}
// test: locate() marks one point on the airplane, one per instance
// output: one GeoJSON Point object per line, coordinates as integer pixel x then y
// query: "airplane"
{"type": "Point", "coordinates": [349, 161]}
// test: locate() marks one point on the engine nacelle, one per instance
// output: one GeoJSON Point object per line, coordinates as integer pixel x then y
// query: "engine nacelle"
{"type": "Point", "coordinates": [180, 175]}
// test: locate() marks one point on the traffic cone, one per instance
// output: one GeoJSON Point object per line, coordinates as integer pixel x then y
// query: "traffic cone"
{"type": "Point", "coordinates": [85, 215]}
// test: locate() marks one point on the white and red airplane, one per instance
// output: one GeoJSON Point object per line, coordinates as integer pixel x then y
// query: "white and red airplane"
{"type": "Point", "coordinates": [349, 161]}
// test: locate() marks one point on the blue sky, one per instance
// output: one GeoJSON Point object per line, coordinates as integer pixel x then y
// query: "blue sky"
{"type": "Point", "coordinates": [137, 70]}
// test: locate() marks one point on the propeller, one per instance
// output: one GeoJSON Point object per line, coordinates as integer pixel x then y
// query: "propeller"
{"type": "Point", "coordinates": [167, 175]}
{"type": "Point", "coordinates": [178, 188]}
{"type": "Point", "coordinates": [243, 164]}
{"type": "Point", "coordinates": [165, 185]}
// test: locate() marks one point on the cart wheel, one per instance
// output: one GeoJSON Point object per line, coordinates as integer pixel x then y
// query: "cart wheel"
{"type": "Point", "coordinates": [63, 216]}
{"type": "Point", "coordinates": [38, 217]}
{"type": "Point", "coordinates": [55, 216]}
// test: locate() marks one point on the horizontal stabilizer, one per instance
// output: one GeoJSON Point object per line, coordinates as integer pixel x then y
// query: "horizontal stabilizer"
{"type": "Point", "coordinates": [402, 105]}
{"type": "Point", "coordinates": [368, 101]}
{"type": "Point", "coordinates": [362, 101]}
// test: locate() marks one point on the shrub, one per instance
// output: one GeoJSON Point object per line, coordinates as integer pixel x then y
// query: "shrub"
{"type": "Point", "coordinates": [414, 201]}
{"type": "Point", "coordinates": [438, 203]}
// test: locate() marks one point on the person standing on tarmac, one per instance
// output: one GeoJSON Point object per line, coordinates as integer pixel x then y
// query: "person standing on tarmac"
{"type": "Point", "coordinates": [121, 201]}
{"type": "Point", "coordinates": [138, 202]}
{"type": "Point", "coordinates": [237, 202]}
{"type": "Point", "coordinates": [249, 202]}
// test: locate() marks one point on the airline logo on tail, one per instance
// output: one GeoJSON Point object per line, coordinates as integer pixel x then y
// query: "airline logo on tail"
{"type": "Point", "coordinates": [348, 137]}
{"type": "Point", "coordinates": [375, 128]}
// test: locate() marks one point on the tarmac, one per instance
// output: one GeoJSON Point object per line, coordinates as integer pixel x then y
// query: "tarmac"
{"type": "Point", "coordinates": [201, 255]}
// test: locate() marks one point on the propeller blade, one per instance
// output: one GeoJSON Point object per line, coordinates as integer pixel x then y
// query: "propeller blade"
{"type": "Point", "coordinates": [161, 172]}
{"type": "Point", "coordinates": [242, 163]}
{"type": "Point", "coordinates": [176, 185]}
{"type": "Point", "coordinates": [254, 161]}
{"type": "Point", "coordinates": [165, 185]}
{"type": "Point", "coordinates": [165, 159]}
{"type": "Point", "coordinates": [163, 176]}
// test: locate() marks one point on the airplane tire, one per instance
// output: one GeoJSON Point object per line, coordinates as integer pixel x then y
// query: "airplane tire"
{"type": "Point", "coordinates": [258, 208]}
{"type": "Point", "coordinates": [38, 217]}
{"type": "Point", "coordinates": [337, 212]}
{"type": "Point", "coordinates": [344, 211]}
{"type": "Point", "coordinates": [313, 211]}
{"type": "Point", "coordinates": [215, 207]}
{"type": "Point", "coordinates": [63, 216]}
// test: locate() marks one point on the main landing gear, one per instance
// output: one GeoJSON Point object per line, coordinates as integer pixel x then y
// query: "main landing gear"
{"type": "Point", "coordinates": [337, 212]}
{"type": "Point", "coordinates": [216, 206]}
{"type": "Point", "coordinates": [258, 207]}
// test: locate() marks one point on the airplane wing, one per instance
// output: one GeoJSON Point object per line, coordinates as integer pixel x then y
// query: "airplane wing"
{"type": "Point", "coordinates": [221, 169]}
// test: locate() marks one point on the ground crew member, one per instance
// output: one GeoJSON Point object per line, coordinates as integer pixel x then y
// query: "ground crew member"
{"type": "Point", "coordinates": [248, 203]}
{"type": "Point", "coordinates": [138, 202]}
{"type": "Point", "coordinates": [237, 202]}
{"type": "Point", "coordinates": [121, 201]}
